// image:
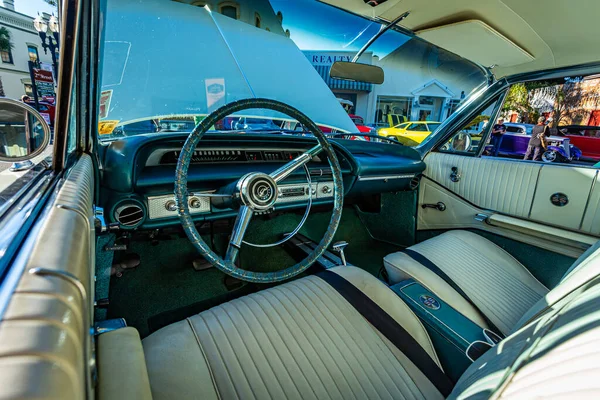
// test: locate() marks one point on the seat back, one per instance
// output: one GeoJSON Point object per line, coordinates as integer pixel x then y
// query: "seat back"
{"type": "Point", "coordinates": [42, 331]}
{"type": "Point", "coordinates": [556, 352]}
{"type": "Point", "coordinates": [585, 268]}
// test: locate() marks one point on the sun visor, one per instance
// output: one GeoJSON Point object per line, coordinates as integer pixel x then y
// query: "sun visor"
{"type": "Point", "coordinates": [478, 42]}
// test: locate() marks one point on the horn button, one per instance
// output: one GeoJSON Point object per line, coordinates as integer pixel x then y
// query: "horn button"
{"type": "Point", "coordinates": [257, 191]}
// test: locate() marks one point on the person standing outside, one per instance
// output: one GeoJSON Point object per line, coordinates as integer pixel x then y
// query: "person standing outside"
{"type": "Point", "coordinates": [537, 142]}
{"type": "Point", "coordinates": [498, 132]}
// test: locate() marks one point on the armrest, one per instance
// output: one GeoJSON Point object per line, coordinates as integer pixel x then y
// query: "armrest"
{"type": "Point", "coordinates": [122, 370]}
{"type": "Point", "coordinates": [542, 231]}
{"type": "Point", "coordinates": [457, 339]}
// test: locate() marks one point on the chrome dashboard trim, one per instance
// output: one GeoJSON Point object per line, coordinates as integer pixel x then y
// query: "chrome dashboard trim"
{"type": "Point", "coordinates": [157, 210]}
{"type": "Point", "coordinates": [154, 158]}
{"type": "Point", "coordinates": [385, 177]}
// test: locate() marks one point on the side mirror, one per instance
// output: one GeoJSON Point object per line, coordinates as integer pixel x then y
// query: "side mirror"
{"type": "Point", "coordinates": [356, 72]}
{"type": "Point", "coordinates": [461, 142]}
{"type": "Point", "coordinates": [24, 133]}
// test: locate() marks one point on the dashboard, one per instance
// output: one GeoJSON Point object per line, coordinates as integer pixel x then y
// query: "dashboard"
{"type": "Point", "coordinates": [138, 173]}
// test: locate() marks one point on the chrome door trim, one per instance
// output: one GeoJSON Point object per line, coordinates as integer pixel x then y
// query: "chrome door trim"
{"type": "Point", "coordinates": [70, 18]}
{"type": "Point", "coordinates": [587, 202]}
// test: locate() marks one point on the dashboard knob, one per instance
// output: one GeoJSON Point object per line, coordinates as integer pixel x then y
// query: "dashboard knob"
{"type": "Point", "coordinates": [171, 206]}
{"type": "Point", "coordinates": [326, 189]}
{"type": "Point", "coordinates": [195, 203]}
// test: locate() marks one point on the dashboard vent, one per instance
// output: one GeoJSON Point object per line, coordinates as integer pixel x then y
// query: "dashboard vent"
{"type": "Point", "coordinates": [414, 182]}
{"type": "Point", "coordinates": [129, 215]}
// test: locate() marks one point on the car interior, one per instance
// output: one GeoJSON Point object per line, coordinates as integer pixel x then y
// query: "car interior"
{"type": "Point", "coordinates": [215, 266]}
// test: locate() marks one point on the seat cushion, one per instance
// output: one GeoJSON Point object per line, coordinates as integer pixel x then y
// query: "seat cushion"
{"type": "Point", "coordinates": [301, 339]}
{"type": "Point", "coordinates": [501, 288]}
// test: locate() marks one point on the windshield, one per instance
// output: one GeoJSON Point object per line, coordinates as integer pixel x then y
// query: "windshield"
{"type": "Point", "coordinates": [167, 64]}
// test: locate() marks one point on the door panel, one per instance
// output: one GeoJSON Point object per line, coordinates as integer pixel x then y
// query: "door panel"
{"type": "Point", "coordinates": [45, 327]}
{"type": "Point", "coordinates": [519, 190]}
{"type": "Point", "coordinates": [575, 183]}
{"type": "Point", "coordinates": [460, 214]}
{"type": "Point", "coordinates": [493, 184]}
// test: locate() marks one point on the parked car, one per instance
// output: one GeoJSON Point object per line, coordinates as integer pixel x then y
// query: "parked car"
{"type": "Point", "coordinates": [360, 125]}
{"type": "Point", "coordinates": [586, 138]}
{"type": "Point", "coordinates": [516, 139]}
{"type": "Point", "coordinates": [410, 133]}
{"type": "Point", "coordinates": [255, 124]}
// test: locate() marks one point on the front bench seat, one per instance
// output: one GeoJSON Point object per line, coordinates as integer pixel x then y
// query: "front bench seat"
{"type": "Point", "coordinates": [500, 288]}
{"type": "Point", "coordinates": [302, 340]}
{"type": "Point", "coordinates": [298, 340]}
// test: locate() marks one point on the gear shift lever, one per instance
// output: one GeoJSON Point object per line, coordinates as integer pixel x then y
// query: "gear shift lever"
{"type": "Point", "coordinates": [339, 247]}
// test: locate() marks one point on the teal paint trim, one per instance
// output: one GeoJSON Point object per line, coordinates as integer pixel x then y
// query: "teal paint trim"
{"type": "Point", "coordinates": [451, 332]}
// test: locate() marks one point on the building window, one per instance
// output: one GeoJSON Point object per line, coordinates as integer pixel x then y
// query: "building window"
{"type": "Point", "coordinates": [7, 57]}
{"type": "Point", "coordinates": [391, 111]}
{"type": "Point", "coordinates": [33, 53]}
{"type": "Point", "coordinates": [230, 9]}
{"type": "Point", "coordinates": [257, 20]}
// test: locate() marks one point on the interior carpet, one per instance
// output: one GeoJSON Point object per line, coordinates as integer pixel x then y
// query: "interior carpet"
{"type": "Point", "coordinates": [166, 282]}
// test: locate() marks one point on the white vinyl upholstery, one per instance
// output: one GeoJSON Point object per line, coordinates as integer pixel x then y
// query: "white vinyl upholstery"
{"type": "Point", "coordinates": [500, 287]}
{"type": "Point", "coordinates": [298, 340]}
{"type": "Point", "coordinates": [490, 183]}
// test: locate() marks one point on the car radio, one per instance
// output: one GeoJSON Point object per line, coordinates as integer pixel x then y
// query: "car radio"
{"type": "Point", "coordinates": [293, 191]}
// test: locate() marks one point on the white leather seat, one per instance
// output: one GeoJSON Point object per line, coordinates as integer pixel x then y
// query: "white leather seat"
{"type": "Point", "coordinates": [500, 287]}
{"type": "Point", "coordinates": [298, 340]}
{"type": "Point", "coordinates": [303, 340]}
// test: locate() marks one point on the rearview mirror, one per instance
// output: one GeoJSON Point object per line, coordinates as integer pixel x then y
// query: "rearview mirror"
{"type": "Point", "coordinates": [24, 133]}
{"type": "Point", "coordinates": [356, 72]}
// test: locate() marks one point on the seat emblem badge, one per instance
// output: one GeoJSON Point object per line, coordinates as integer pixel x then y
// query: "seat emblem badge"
{"type": "Point", "coordinates": [429, 302]}
{"type": "Point", "coordinates": [559, 199]}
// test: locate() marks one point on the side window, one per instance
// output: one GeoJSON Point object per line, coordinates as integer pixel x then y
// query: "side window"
{"type": "Point", "coordinates": [468, 139]}
{"type": "Point", "coordinates": [418, 128]}
{"type": "Point", "coordinates": [550, 121]}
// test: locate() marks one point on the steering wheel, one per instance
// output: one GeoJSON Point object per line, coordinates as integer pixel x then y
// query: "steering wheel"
{"type": "Point", "coordinates": [255, 192]}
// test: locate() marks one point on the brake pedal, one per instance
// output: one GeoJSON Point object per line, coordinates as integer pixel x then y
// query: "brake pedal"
{"type": "Point", "coordinates": [201, 264]}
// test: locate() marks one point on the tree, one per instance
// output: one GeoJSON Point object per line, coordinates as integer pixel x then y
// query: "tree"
{"type": "Point", "coordinates": [5, 40]}
{"type": "Point", "coordinates": [517, 99]}
{"type": "Point", "coordinates": [5, 45]}
{"type": "Point", "coordinates": [52, 2]}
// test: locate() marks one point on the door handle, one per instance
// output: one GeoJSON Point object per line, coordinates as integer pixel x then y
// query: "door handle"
{"type": "Point", "coordinates": [455, 176]}
{"type": "Point", "coordinates": [438, 206]}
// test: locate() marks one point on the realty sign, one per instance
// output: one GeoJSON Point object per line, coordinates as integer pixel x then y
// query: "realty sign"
{"type": "Point", "coordinates": [44, 82]}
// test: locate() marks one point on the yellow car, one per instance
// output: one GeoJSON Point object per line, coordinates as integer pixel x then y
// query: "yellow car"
{"type": "Point", "coordinates": [410, 133]}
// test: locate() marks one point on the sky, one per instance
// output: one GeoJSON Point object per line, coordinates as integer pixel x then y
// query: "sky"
{"type": "Point", "coordinates": [31, 7]}
{"type": "Point", "coordinates": [317, 26]}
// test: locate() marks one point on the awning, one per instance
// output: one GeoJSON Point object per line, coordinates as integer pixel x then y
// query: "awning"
{"type": "Point", "coordinates": [323, 70]}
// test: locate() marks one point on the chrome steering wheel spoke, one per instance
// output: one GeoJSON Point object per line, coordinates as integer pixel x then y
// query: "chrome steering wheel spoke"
{"type": "Point", "coordinates": [303, 159]}
{"type": "Point", "coordinates": [239, 230]}
{"type": "Point", "coordinates": [255, 192]}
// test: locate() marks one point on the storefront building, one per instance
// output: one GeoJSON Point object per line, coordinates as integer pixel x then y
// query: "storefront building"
{"type": "Point", "coordinates": [355, 92]}
{"type": "Point", "coordinates": [421, 84]}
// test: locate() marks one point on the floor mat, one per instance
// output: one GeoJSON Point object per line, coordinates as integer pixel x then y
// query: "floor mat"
{"type": "Point", "coordinates": [166, 282]}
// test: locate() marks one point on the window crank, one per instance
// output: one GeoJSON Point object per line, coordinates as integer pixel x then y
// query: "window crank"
{"type": "Point", "coordinates": [438, 206]}
{"type": "Point", "coordinates": [454, 176]}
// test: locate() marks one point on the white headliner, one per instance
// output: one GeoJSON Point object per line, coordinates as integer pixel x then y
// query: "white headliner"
{"type": "Point", "coordinates": [556, 33]}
